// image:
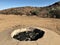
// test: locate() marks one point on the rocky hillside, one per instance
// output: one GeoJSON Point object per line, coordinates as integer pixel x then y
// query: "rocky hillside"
{"type": "Point", "coordinates": [52, 11]}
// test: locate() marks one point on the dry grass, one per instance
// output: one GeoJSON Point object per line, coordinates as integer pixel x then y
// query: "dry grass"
{"type": "Point", "coordinates": [9, 21]}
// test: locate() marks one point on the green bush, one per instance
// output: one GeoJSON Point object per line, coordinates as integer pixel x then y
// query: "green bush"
{"type": "Point", "coordinates": [34, 12]}
{"type": "Point", "coordinates": [55, 13]}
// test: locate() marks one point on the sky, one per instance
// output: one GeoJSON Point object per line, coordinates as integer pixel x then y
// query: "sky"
{"type": "Point", "coordinates": [4, 4]}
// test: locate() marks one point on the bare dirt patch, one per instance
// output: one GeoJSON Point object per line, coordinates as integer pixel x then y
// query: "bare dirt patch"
{"type": "Point", "coordinates": [9, 21]}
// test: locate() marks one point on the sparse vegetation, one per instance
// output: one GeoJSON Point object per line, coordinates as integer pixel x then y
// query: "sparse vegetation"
{"type": "Point", "coordinates": [34, 12]}
{"type": "Point", "coordinates": [55, 13]}
{"type": "Point", "coordinates": [52, 11]}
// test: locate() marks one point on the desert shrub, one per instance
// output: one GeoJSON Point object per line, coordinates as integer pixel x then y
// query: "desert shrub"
{"type": "Point", "coordinates": [18, 13]}
{"type": "Point", "coordinates": [43, 13]}
{"type": "Point", "coordinates": [34, 12]}
{"type": "Point", "coordinates": [28, 13]}
{"type": "Point", "coordinates": [55, 13]}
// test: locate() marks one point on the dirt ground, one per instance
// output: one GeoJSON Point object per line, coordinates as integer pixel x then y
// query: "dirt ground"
{"type": "Point", "coordinates": [9, 21]}
{"type": "Point", "coordinates": [49, 25]}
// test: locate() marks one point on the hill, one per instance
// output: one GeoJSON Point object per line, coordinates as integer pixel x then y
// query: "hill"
{"type": "Point", "coordinates": [51, 11]}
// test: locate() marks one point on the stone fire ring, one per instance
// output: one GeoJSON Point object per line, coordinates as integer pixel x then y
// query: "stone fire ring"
{"type": "Point", "coordinates": [27, 34]}
{"type": "Point", "coordinates": [48, 38]}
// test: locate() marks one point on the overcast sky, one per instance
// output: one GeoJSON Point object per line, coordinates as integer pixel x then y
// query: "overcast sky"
{"type": "Point", "coordinates": [4, 4]}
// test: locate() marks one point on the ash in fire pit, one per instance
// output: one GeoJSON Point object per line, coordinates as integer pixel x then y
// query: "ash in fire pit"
{"type": "Point", "coordinates": [28, 34]}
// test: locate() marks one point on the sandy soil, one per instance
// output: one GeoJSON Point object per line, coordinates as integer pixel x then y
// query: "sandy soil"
{"type": "Point", "coordinates": [9, 21]}
{"type": "Point", "coordinates": [49, 25]}
{"type": "Point", "coordinates": [49, 38]}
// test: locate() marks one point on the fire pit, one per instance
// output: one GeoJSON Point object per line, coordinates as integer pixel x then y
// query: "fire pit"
{"type": "Point", "coordinates": [27, 34]}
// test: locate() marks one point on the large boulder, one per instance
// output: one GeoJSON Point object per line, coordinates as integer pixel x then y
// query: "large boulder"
{"type": "Point", "coordinates": [27, 34]}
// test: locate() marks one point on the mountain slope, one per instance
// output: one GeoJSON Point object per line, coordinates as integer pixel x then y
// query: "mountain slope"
{"type": "Point", "coordinates": [48, 11]}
